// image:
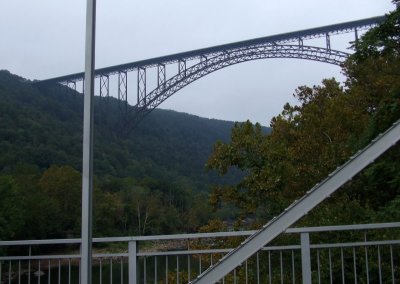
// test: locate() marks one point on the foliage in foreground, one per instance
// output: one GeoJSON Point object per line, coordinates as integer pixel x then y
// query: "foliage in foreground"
{"type": "Point", "coordinates": [309, 140]}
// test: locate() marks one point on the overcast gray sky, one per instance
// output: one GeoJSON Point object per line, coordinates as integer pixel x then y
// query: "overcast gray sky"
{"type": "Point", "coordinates": [45, 38]}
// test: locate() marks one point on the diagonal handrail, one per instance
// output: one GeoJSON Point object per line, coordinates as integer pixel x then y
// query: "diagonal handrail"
{"type": "Point", "coordinates": [301, 207]}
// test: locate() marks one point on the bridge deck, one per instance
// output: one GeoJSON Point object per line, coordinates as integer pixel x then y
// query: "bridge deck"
{"type": "Point", "coordinates": [275, 39]}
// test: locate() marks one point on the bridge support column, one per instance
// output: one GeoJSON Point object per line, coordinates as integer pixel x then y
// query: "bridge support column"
{"type": "Point", "coordinates": [328, 42]}
{"type": "Point", "coordinates": [301, 43]}
{"type": "Point", "coordinates": [305, 257]}
{"type": "Point", "coordinates": [132, 262]}
{"type": "Point", "coordinates": [162, 75]}
{"type": "Point", "coordinates": [123, 92]}
{"type": "Point", "coordinates": [104, 86]}
{"type": "Point", "coordinates": [182, 66]}
{"type": "Point", "coordinates": [141, 87]}
{"type": "Point", "coordinates": [355, 34]}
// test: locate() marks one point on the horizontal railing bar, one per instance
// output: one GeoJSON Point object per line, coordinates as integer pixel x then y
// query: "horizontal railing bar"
{"type": "Point", "coordinates": [175, 237]}
{"type": "Point", "coordinates": [184, 252]}
{"type": "Point", "coordinates": [272, 248]}
{"type": "Point", "coordinates": [202, 235]}
{"type": "Point", "coordinates": [128, 239]}
{"type": "Point", "coordinates": [358, 227]}
{"type": "Point", "coordinates": [110, 255]}
{"type": "Point", "coordinates": [41, 257]}
{"type": "Point", "coordinates": [40, 242]}
{"type": "Point", "coordinates": [356, 244]}
{"type": "Point", "coordinates": [211, 251]}
{"type": "Point", "coordinates": [62, 256]}
{"type": "Point", "coordinates": [204, 251]}
{"type": "Point", "coordinates": [115, 239]}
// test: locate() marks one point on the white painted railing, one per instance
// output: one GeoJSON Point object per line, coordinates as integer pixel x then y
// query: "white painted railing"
{"type": "Point", "coordinates": [233, 264]}
{"type": "Point", "coordinates": [353, 253]}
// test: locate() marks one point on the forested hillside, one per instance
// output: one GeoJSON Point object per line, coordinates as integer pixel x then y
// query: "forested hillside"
{"type": "Point", "coordinates": [43, 126]}
{"type": "Point", "coordinates": [152, 181]}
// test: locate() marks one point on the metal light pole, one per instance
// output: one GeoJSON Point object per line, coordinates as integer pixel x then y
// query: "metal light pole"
{"type": "Point", "coordinates": [87, 159]}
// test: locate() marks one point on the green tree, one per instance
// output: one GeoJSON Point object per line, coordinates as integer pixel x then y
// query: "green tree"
{"type": "Point", "coordinates": [108, 210]}
{"type": "Point", "coordinates": [11, 215]}
{"type": "Point", "coordinates": [37, 208]}
{"type": "Point", "coordinates": [307, 142]}
{"type": "Point", "coordinates": [373, 73]}
{"type": "Point", "coordinates": [62, 185]}
{"type": "Point", "coordinates": [311, 139]}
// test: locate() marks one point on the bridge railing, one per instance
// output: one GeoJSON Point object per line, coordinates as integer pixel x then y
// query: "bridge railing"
{"type": "Point", "coordinates": [338, 254]}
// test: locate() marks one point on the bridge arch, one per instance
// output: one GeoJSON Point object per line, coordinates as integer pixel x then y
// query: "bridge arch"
{"type": "Point", "coordinates": [227, 58]}
{"type": "Point", "coordinates": [286, 45]}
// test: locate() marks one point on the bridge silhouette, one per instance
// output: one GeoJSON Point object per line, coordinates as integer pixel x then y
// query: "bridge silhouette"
{"type": "Point", "coordinates": [187, 67]}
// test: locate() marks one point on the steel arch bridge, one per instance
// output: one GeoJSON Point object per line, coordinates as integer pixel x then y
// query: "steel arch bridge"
{"type": "Point", "coordinates": [193, 65]}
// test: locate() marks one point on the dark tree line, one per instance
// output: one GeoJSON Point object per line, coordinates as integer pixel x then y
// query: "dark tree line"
{"type": "Point", "coordinates": [152, 182]}
{"type": "Point", "coordinates": [48, 205]}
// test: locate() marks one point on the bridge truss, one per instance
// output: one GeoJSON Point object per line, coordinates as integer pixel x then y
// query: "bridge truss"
{"type": "Point", "coordinates": [190, 66]}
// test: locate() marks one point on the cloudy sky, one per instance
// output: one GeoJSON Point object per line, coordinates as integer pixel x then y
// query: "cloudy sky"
{"type": "Point", "coordinates": [45, 38]}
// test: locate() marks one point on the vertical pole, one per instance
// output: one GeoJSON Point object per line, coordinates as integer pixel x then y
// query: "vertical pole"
{"type": "Point", "coordinates": [123, 95]}
{"type": "Point", "coordinates": [356, 34]}
{"type": "Point", "coordinates": [182, 66]}
{"type": "Point", "coordinates": [141, 87]}
{"type": "Point", "coordinates": [305, 257]}
{"type": "Point", "coordinates": [301, 42]}
{"type": "Point", "coordinates": [162, 75]}
{"type": "Point", "coordinates": [87, 159]}
{"type": "Point", "coordinates": [132, 262]}
{"type": "Point", "coordinates": [328, 42]}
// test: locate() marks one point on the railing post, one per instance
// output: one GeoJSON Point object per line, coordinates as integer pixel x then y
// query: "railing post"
{"type": "Point", "coordinates": [305, 257]}
{"type": "Point", "coordinates": [132, 262]}
{"type": "Point", "coordinates": [87, 147]}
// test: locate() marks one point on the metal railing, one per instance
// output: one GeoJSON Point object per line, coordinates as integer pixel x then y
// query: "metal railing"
{"type": "Point", "coordinates": [336, 254]}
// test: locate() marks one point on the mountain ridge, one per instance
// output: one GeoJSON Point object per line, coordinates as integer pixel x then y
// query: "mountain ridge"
{"type": "Point", "coordinates": [43, 126]}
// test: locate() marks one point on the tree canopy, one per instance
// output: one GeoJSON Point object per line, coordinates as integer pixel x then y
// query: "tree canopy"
{"type": "Point", "coordinates": [152, 182]}
{"type": "Point", "coordinates": [310, 139]}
